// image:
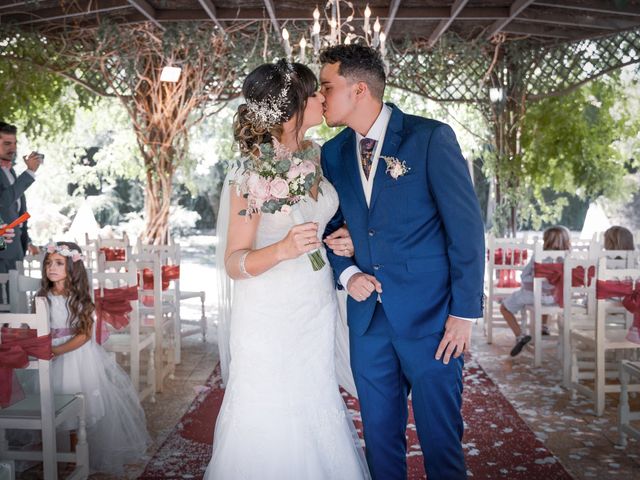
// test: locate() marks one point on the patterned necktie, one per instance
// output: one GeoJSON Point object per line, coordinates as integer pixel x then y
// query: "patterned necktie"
{"type": "Point", "coordinates": [367, 146]}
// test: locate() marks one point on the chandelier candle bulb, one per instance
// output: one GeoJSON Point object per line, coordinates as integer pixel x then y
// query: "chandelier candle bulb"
{"type": "Point", "coordinates": [303, 50]}
{"type": "Point", "coordinates": [376, 34]}
{"type": "Point", "coordinates": [287, 46]}
{"type": "Point", "coordinates": [315, 36]}
{"type": "Point", "coordinates": [383, 48]}
{"type": "Point", "coordinates": [367, 17]}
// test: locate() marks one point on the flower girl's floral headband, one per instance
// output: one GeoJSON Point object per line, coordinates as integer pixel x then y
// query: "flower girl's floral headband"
{"type": "Point", "coordinates": [65, 251]}
{"type": "Point", "coordinates": [268, 112]}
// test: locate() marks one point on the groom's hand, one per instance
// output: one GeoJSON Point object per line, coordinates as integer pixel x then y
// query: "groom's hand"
{"type": "Point", "coordinates": [456, 340]}
{"type": "Point", "coordinates": [360, 286]}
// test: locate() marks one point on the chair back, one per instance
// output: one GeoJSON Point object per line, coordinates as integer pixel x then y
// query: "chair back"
{"type": "Point", "coordinates": [4, 293]}
{"type": "Point", "coordinates": [31, 265]}
{"type": "Point", "coordinates": [606, 307]}
{"type": "Point", "coordinates": [22, 290]}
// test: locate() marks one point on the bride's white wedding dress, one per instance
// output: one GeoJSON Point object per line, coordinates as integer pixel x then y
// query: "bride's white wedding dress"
{"type": "Point", "coordinates": [282, 416]}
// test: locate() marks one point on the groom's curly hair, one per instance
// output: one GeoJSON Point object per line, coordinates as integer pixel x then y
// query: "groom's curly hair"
{"type": "Point", "coordinates": [358, 64]}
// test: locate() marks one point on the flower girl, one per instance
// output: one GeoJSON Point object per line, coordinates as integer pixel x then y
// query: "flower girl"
{"type": "Point", "coordinates": [116, 426]}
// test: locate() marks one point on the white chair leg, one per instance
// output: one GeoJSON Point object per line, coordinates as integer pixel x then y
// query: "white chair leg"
{"type": "Point", "coordinates": [623, 407]}
{"type": "Point", "coordinates": [599, 383]}
{"type": "Point", "coordinates": [82, 447]}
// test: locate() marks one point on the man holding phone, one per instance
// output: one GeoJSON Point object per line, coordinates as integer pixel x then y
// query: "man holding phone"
{"type": "Point", "coordinates": [12, 199]}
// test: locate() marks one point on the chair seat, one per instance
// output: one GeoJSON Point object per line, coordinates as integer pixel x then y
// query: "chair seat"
{"type": "Point", "coordinates": [187, 295]}
{"type": "Point", "coordinates": [29, 407]}
{"type": "Point", "coordinates": [121, 342]}
{"type": "Point", "coordinates": [614, 338]}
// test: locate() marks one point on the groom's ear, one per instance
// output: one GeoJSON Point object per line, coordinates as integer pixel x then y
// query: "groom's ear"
{"type": "Point", "coordinates": [361, 89]}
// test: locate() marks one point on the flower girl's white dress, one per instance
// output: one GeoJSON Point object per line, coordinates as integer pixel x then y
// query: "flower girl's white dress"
{"type": "Point", "coordinates": [282, 417]}
{"type": "Point", "coordinates": [116, 425]}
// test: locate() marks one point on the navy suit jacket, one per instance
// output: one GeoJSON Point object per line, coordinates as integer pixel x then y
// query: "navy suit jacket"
{"type": "Point", "coordinates": [9, 194]}
{"type": "Point", "coordinates": [422, 235]}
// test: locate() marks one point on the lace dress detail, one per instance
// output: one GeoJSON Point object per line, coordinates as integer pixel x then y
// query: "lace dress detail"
{"type": "Point", "coordinates": [282, 415]}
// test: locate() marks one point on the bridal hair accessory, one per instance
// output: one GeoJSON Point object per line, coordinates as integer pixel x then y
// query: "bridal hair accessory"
{"type": "Point", "coordinates": [65, 251]}
{"type": "Point", "coordinates": [269, 111]}
{"type": "Point", "coordinates": [395, 167]}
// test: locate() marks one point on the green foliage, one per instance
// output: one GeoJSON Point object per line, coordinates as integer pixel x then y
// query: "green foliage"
{"type": "Point", "coordinates": [41, 103]}
{"type": "Point", "coordinates": [570, 145]}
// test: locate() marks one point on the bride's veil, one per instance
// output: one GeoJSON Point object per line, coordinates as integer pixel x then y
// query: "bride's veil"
{"type": "Point", "coordinates": [225, 284]}
{"type": "Point", "coordinates": [225, 299]}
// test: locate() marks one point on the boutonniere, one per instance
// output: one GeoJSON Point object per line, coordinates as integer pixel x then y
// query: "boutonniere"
{"type": "Point", "coordinates": [395, 167]}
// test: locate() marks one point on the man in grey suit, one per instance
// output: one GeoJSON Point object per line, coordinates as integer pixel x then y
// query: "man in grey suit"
{"type": "Point", "coordinates": [12, 199]}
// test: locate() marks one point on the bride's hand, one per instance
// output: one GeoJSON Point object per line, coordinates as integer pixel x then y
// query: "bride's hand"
{"type": "Point", "coordinates": [301, 239]}
{"type": "Point", "coordinates": [340, 242]}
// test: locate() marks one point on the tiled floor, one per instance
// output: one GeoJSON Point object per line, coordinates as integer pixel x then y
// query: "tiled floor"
{"type": "Point", "coordinates": [585, 444]}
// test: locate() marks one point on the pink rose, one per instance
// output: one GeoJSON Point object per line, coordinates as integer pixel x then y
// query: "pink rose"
{"type": "Point", "coordinates": [294, 172]}
{"type": "Point", "coordinates": [279, 188]}
{"type": "Point", "coordinates": [286, 209]}
{"type": "Point", "coordinates": [258, 187]}
{"type": "Point", "coordinates": [307, 167]}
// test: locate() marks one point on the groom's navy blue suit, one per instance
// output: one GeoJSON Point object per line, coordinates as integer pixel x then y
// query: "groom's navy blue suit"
{"type": "Point", "coordinates": [422, 237]}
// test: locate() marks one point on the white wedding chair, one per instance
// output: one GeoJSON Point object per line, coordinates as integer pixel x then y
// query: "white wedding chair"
{"type": "Point", "coordinates": [103, 264]}
{"type": "Point", "coordinates": [502, 263]}
{"type": "Point", "coordinates": [44, 411]}
{"type": "Point", "coordinates": [31, 265]}
{"type": "Point", "coordinates": [607, 338]}
{"type": "Point", "coordinates": [130, 342]}
{"type": "Point", "coordinates": [628, 370]}
{"type": "Point", "coordinates": [5, 305]}
{"type": "Point", "coordinates": [535, 312]}
{"type": "Point", "coordinates": [160, 317]}
{"type": "Point", "coordinates": [579, 310]}
{"type": "Point", "coordinates": [22, 290]}
{"type": "Point", "coordinates": [184, 327]}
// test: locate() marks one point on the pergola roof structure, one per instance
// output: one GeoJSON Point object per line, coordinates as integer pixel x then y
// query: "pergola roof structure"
{"type": "Point", "coordinates": [545, 21]}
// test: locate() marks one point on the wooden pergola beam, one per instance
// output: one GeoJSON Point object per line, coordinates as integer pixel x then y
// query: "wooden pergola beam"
{"type": "Point", "coordinates": [52, 14]}
{"type": "Point", "coordinates": [147, 10]}
{"type": "Point", "coordinates": [515, 9]}
{"type": "Point", "coordinates": [519, 28]}
{"type": "Point", "coordinates": [271, 10]}
{"type": "Point", "coordinates": [594, 6]}
{"type": "Point", "coordinates": [210, 8]}
{"type": "Point", "coordinates": [442, 27]}
{"type": "Point", "coordinates": [393, 10]}
{"type": "Point", "coordinates": [575, 19]}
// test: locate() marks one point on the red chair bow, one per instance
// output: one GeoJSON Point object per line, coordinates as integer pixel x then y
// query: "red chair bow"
{"type": "Point", "coordinates": [18, 344]}
{"type": "Point", "coordinates": [630, 300]}
{"type": "Point", "coordinates": [510, 256]}
{"type": "Point", "coordinates": [554, 273]}
{"type": "Point", "coordinates": [113, 306]}
{"type": "Point", "coordinates": [169, 273]}
{"type": "Point", "coordinates": [114, 254]}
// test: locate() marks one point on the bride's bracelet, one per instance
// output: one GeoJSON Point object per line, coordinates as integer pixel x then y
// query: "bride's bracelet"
{"type": "Point", "coordinates": [243, 268]}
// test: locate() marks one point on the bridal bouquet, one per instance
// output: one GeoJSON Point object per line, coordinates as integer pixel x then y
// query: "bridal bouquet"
{"type": "Point", "coordinates": [276, 180]}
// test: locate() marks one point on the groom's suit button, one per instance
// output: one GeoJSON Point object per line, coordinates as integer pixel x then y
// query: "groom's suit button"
{"type": "Point", "coordinates": [372, 232]}
{"type": "Point", "coordinates": [376, 266]}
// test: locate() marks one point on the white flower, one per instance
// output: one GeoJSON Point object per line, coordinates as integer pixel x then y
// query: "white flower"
{"type": "Point", "coordinates": [395, 167]}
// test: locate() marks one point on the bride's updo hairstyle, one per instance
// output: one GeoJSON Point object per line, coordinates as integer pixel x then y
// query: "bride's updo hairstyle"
{"type": "Point", "coordinates": [274, 93]}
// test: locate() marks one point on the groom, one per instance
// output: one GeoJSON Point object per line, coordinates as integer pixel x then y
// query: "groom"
{"type": "Point", "coordinates": [416, 281]}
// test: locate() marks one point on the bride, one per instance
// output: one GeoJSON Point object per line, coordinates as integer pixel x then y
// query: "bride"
{"type": "Point", "coordinates": [282, 416]}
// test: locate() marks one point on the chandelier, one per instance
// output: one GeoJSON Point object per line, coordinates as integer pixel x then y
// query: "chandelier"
{"type": "Point", "coordinates": [341, 31]}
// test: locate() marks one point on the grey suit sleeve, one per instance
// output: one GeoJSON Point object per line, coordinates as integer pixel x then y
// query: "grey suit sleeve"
{"type": "Point", "coordinates": [11, 193]}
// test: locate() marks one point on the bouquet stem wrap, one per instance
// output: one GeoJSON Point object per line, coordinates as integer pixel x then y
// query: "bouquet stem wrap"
{"type": "Point", "coordinates": [315, 257]}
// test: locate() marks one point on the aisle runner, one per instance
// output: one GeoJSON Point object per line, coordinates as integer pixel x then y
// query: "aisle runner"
{"type": "Point", "coordinates": [497, 442]}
